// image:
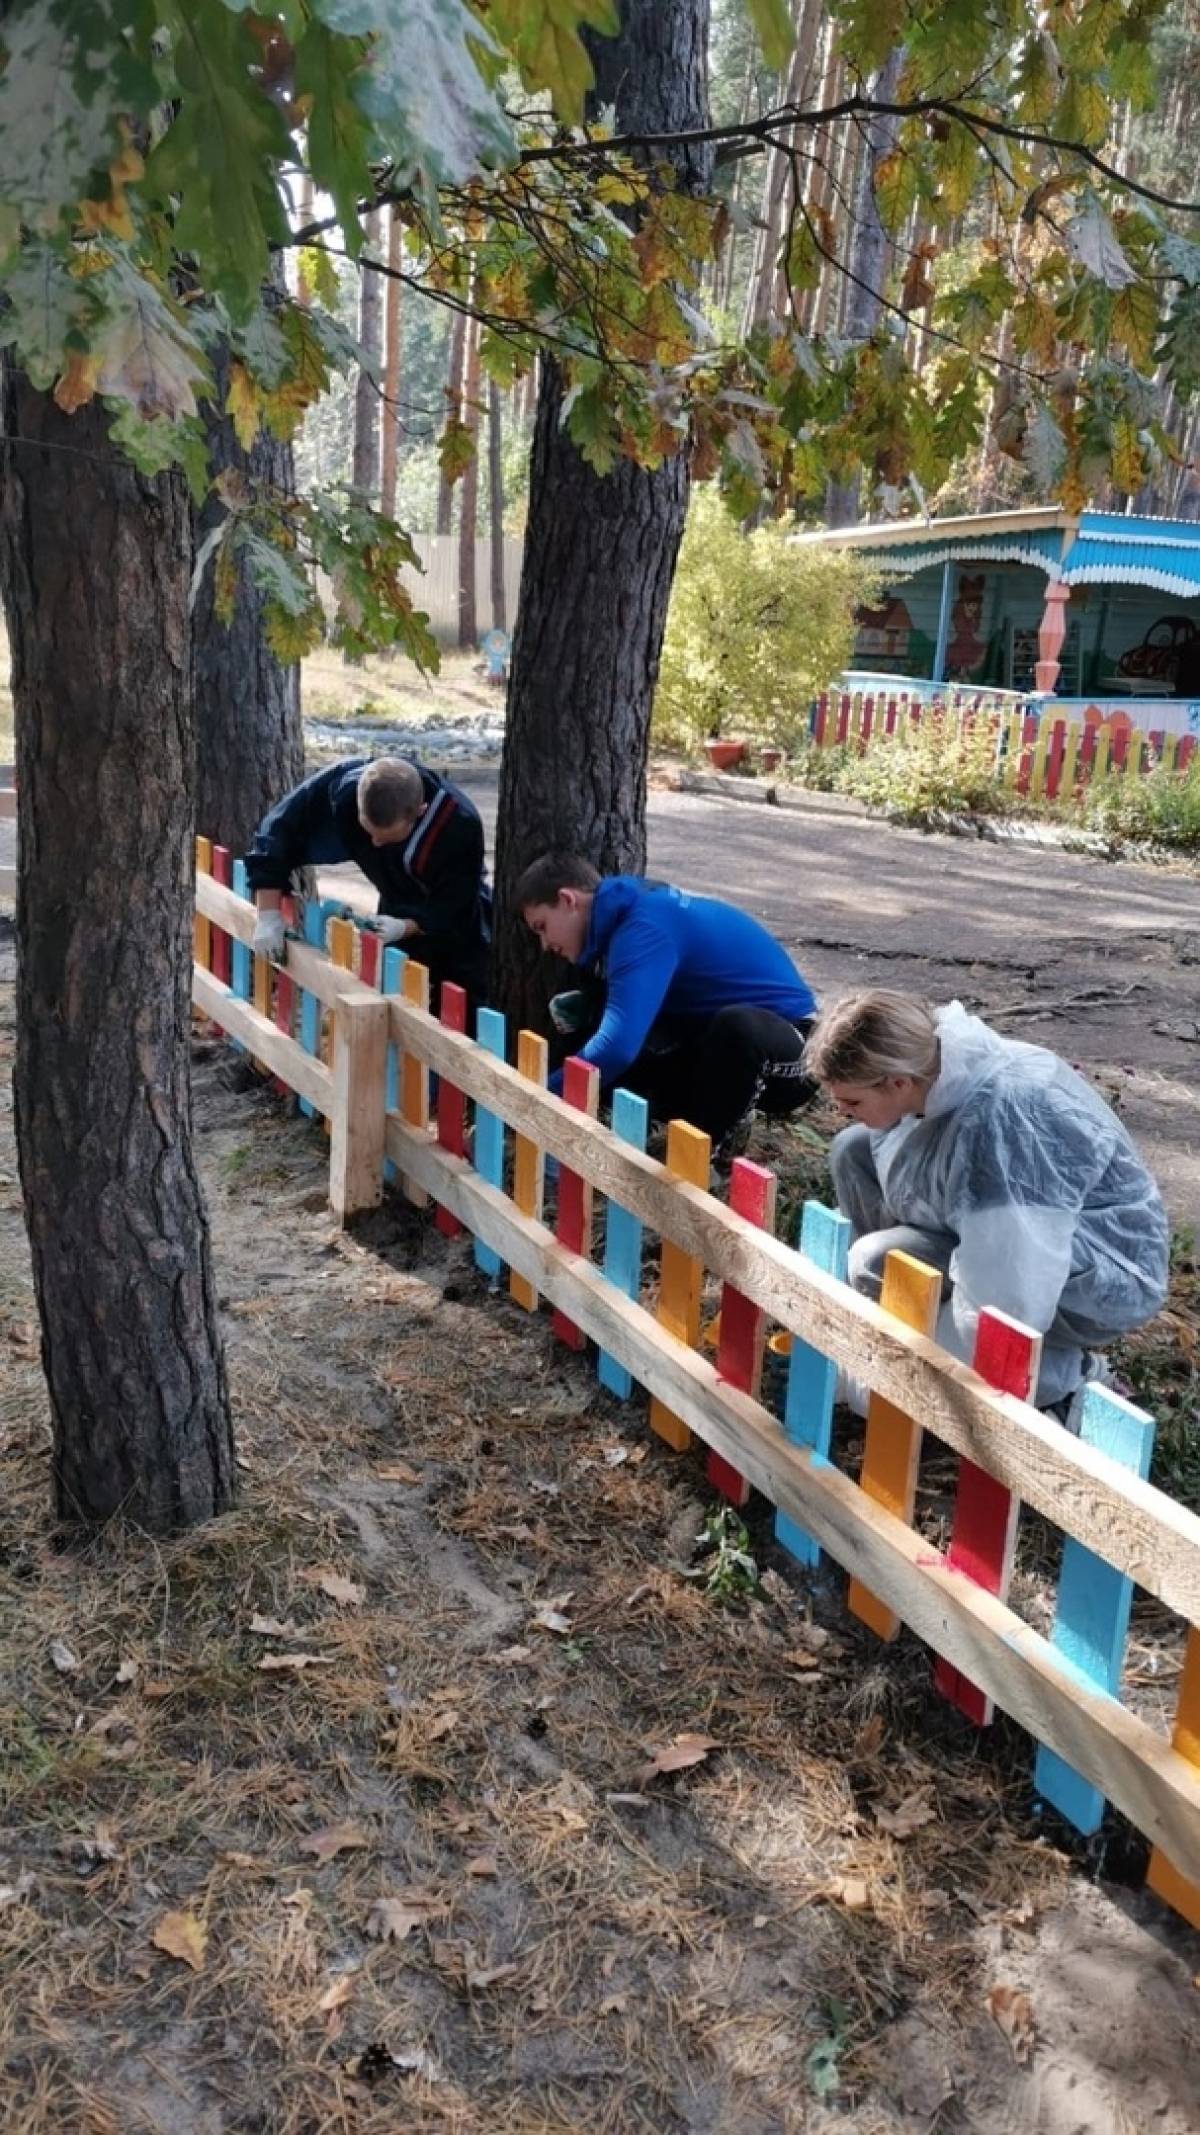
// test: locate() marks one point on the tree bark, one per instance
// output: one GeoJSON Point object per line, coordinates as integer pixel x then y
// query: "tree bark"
{"type": "Point", "coordinates": [599, 559]}
{"type": "Point", "coordinates": [365, 475]}
{"type": "Point", "coordinates": [870, 254]}
{"type": "Point", "coordinates": [249, 737]}
{"type": "Point", "coordinates": [496, 507]}
{"type": "Point", "coordinates": [93, 566]}
{"type": "Point", "coordinates": [391, 370]}
{"type": "Point", "coordinates": [445, 494]}
{"type": "Point", "coordinates": [468, 524]}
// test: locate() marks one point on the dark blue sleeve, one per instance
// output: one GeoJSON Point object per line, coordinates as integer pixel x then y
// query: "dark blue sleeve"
{"type": "Point", "coordinates": [298, 830]}
{"type": "Point", "coordinates": [641, 965]}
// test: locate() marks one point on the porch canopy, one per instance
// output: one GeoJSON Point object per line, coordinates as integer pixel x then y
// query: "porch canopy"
{"type": "Point", "coordinates": [1069, 549]}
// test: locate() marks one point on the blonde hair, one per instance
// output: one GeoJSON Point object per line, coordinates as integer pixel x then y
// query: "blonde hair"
{"type": "Point", "coordinates": [868, 1036]}
{"type": "Point", "coordinates": [389, 791]}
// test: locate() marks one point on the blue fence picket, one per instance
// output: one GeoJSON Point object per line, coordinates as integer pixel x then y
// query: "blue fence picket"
{"type": "Point", "coordinates": [315, 916]}
{"type": "Point", "coordinates": [812, 1378]}
{"type": "Point", "coordinates": [239, 971]}
{"type": "Point", "coordinates": [1091, 1614]}
{"type": "Point", "coordinates": [392, 981]}
{"type": "Point", "coordinates": [491, 1034]}
{"type": "Point", "coordinates": [623, 1235]}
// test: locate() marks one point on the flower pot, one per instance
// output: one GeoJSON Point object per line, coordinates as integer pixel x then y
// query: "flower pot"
{"type": "Point", "coordinates": [723, 755]}
{"type": "Point", "coordinates": [770, 759]}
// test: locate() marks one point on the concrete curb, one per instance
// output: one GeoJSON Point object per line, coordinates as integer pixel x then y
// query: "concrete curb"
{"type": "Point", "coordinates": [769, 792]}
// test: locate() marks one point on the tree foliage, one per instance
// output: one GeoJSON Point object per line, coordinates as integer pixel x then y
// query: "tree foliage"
{"type": "Point", "coordinates": [757, 627]}
{"type": "Point", "coordinates": [150, 151]}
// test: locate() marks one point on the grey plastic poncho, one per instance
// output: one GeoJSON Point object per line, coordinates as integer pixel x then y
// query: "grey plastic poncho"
{"type": "Point", "coordinates": [1057, 1219]}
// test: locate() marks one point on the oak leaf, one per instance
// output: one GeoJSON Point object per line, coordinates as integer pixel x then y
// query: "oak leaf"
{"type": "Point", "coordinates": [333, 1839]}
{"type": "Point", "coordinates": [182, 1936]}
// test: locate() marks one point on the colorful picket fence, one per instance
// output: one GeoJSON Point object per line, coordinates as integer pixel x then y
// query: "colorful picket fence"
{"type": "Point", "coordinates": [478, 1156]}
{"type": "Point", "coordinates": [1036, 756]}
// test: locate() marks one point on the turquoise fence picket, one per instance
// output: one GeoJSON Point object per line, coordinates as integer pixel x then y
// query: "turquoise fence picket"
{"type": "Point", "coordinates": [623, 1235]}
{"type": "Point", "coordinates": [812, 1378]}
{"type": "Point", "coordinates": [491, 1034]}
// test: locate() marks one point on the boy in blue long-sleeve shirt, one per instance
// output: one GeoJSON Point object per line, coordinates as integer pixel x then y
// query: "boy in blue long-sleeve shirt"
{"type": "Point", "coordinates": [704, 1014]}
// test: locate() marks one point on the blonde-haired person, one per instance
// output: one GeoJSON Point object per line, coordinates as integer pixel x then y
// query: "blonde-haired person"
{"type": "Point", "coordinates": [995, 1162]}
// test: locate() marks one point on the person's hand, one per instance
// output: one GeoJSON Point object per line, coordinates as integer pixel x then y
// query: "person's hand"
{"type": "Point", "coordinates": [270, 936]}
{"type": "Point", "coordinates": [568, 1012]}
{"type": "Point", "coordinates": [391, 930]}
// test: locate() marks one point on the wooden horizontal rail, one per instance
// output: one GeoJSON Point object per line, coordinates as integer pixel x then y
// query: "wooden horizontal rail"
{"type": "Point", "coordinates": [1126, 1521]}
{"type": "Point", "coordinates": [310, 968]}
{"type": "Point", "coordinates": [308, 1077]}
{"type": "Point", "coordinates": [1132, 1764]}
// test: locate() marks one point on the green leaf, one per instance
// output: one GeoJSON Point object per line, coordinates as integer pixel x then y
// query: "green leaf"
{"type": "Point", "coordinates": [1091, 239]}
{"type": "Point", "coordinates": [590, 425]}
{"type": "Point", "coordinates": [1180, 349]}
{"type": "Point", "coordinates": [1038, 78]}
{"type": "Point", "coordinates": [327, 69]}
{"type": "Point", "coordinates": [955, 170]}
{"type": "Point", "coordinates": [775, 32]}
{"type": "Point", "coordinates": [456, 449]}
{"type": "Point", "coordinates": [543, 37]}
{"type": "Point", "coordinates": [221, 153]}
{"type": "Point", "coordinates": [870, 30]}
{"type": "Point", "coordinates": [59, 105]}
{"type": "Point", "coordinates": [156, 443]}
{"type": "Point", "coordinates": [1045, 450]}
{"type": "Point", "coordinates": [1135, 322]}
{"type": "Point", "coordinates": [897, 182]}
{"type": "Point", "coordinates": [431, 111]}
{"type": "Point", "coordinates": [48, 310]}
{"type": "Point", "coordinates": [281, 578]}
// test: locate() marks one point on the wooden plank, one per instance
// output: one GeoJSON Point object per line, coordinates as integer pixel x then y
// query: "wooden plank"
{"type": "Point", "coordinates": [1180, 1886]}
{"type": "Point", "coordinates": [281, 1054]}
{"type": "Point", "coordinates": [1126, 1521]}
{"type": "Point", "coordinates": [392, 981]}
{"type": "Point", "coordinates": [201, 924]}
{"type": "Point", "coordinates": [573, 1216]}
{"type": "Point", "coordinates": [1091, 1612]}
{"type": "Point", "coordinates": [359, 1073]}
{"type": "Point", "coordinates": [1037, 769]}
{"type": "Point", "coordinates": [491, 1036]}
{"type": "Point", "coordinates": [285, 1001]}
{"type": "Point", "coordinates": [911, 1293]}
{"type": "Point", "coordinates": [1067, 773]}
{"type": "Point", "coordinates": [307, 965]}
{"type": "Point", "coordinates": [983, 1538]}
{"type": "Point", "coordinates": [752, 1192]}
{"type": "Point", "coordinates": [310, 1006]}
{"type": "Point", "coordinates": [222, 867]}
{"type": "Point", "coordinates": [529, 1158]}
{"type": "Point", "coordinates": [451, 1108]}
{"type": "Point", "coordinates": [342, 937]}
{"type": "Point", "coordinates": [689, 1156]}
{"type": "Point", "coordinates": [1153, 1784]}
{"type": "Point", "coordinates": [370, 949]}
{"type": "Point", "coordinates": [623, 1235]}
{"type": "Point", "coordinates": [414, 1075]}
{"type": "Point", "coordinates": [812, 1378]}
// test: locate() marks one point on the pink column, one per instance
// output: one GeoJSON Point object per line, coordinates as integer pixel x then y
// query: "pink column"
{"type": "Point", "coordinates": [1051, 635]}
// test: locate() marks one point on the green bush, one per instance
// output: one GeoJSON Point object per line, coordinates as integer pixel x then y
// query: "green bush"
{"type": "Point", "coordinates": [945, 765]}
{"type": "Point", "coordinates": [1160, 808]}
{"type": "Point", "coordinates": [757, 628]}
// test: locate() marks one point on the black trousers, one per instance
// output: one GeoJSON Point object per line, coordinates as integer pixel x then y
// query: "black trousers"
{"type": "Point", "coordinates": [713, 1070]}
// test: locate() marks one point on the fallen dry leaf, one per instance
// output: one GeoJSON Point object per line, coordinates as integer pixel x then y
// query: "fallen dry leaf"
{"type": "Point", "coordinates": [548, 1618]}
{"type": "Point", "coordinates": [392, 1919]}
{"type": "Point", "coordinates": [279, 1663]}
{"type": "Point", "coordinates": [1012, 2010]}
{"type": "Point", "coordinates": [613, 2005]}
{"type": "Point", "coordinates": [158, 1689]}
{"type": "Point", "coordinates": [913, 1813]}
{"type": "Point", "coordinates": [127, 1672]}
{"type": "Point", "coordinates": [13, 1893]}
{"type": "Point", "coordinates": [615, 1456]}
{"type": "Point", "coordinates": [685, 1750]}
{"type": "Point", "coordinates": [442, 1723]}
{"type": "Point", "coordinates": [484, 1864]}
{"type": "Point", "coordinates": [397, 1471]}
{"type": "Point", "coordinates": [513, 1656]}
{"type": "Point", "coordinates": [346, 1592]}
{"type": "Point", "coordinates": [869, 1742]}
{"type": "Point", "coordinates": [480, 1976]}
{"type": "Point", "coordinates": [337, 1994]}
{"type": "Point", "coordinates": [66, 1662]}
{"type": "Point", "coordinates": [270, 1627]}
{"type": "Point", "coordinates": [850, 1891]}
{"type": "Point", "coordinates": [333, 1839]}
{"type": "Point", "coordinates": [181, 1935]}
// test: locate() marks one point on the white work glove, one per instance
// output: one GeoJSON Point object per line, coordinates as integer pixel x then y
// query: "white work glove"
{"type": "Point", "coordinates": [391, 930]}
{"type": "Point", "coordinates": [270, 936]}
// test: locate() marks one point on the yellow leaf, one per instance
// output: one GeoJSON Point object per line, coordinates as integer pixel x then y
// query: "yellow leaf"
{"type": "Point", "coordinates": [345, 1591]}
{"type": "Point", "coordinates": [78, 382]}
{"type": "Point", "coordinates": [181, 1935]}
{"type": "Point", "coordinates": [241, 403]}
{"type": "Point", "coordinates": [1128, 471]}
{"type": "Point", "coordinates": [1013, 2012]}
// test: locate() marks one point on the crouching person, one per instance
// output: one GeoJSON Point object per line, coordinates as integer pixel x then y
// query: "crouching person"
{"type": "Point", "coordinates": [996, 1163]}
{"type": "Point", "coordinates": [699, 1009]}
{"type": "Point", "coordinates": [413, 834]}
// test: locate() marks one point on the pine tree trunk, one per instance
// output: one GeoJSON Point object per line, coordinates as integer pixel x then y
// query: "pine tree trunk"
{"type": "Point", "coordinates": [365, 475]}
{"type": "Point", "coordinates": [599, 559]}
{"type": "Point", "coordinates": [868, 261]}
{"type": "Point", "coordinates": [249, 737]}
{"type": "Point", "coordinates": [468, 628]}
{"type": "Point", "coordinates": [94, 567]}
{"type": "Point", "coordinates": [496, 507]}
{"type": "Point", "coordinates": [445, 495]}
{"type": "Point", "coordinates": [391, 370]}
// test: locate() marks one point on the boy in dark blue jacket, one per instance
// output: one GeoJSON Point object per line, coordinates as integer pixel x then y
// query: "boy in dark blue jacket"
{"type": "Point", "coordinates": [705, 1014]}
{"type": "Point", "coordinates": [413, 834]}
